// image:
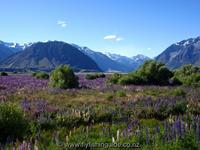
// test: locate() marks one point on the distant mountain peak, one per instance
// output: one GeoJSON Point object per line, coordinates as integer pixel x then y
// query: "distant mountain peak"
{"type": "Point", "coordinates": [181, 53]}
{"type": "Point", "coordinates": [188, 41]}
{"type": "Point", "coordinates": [48, 55]}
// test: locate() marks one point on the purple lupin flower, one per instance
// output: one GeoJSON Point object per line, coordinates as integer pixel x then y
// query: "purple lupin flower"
{"type": "Point", "coordinates": [25, 104]}
{"type": "Point", "coordinates": [197, 132]}
{"type": "Point", "coordinates": [147, 135]}
{"type": "Point", "coordinates": [178, 127]}
{"type": "Point", "coordinates": [173, 132]}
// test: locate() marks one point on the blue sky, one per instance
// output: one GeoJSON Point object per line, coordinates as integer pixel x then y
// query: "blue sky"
{"type": "Point", "coordinates": [127, 27]}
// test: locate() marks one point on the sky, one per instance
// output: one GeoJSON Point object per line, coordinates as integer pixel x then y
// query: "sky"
{"type": "Point", "coordinates": [126, 27]}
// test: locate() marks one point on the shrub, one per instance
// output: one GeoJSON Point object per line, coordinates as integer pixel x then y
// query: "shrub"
{"type": "Point", "coordinates": [155, 73]}
{"type": "Point", "coordinates": [192, 80]}
{"type": "Point", "coordinates": [114, 78]}
{"type": "Point", "coordinates": [175, 81]}
{"type": "Point", "coordinates": [42, 75]}
{"type": "Point", "coordinates": [95, 76]}
{"type": "Point", "coordinates": [151, 72]}
{"type": "Point", "coordinates": [34, 74]}
{"type": "Point", "coordinates": [189, 75]}
{"type": "Point", "coordinates": [4, 74]}
{"type": "Point", "coordinates": [12, 122]}
{"type": "Point", "coordinates": [63, 77]}
{"type": "Point", "coordinates": [133, 78]}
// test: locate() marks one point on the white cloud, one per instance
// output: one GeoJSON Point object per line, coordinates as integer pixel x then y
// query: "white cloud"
{"type": "Point", "coordinates": [113, 38]}
{"type": "Point", "coordinates": [110, 37]}
{"type": "Point", "coordinates": [119, 39]}
{"type": "Point", "coordinates": [62, 24]}
{"type": "Point", "coordinates": [149, 48]}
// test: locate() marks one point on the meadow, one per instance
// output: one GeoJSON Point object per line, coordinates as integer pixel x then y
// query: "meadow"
{"type": "Point", "coordinates": [106, 115]}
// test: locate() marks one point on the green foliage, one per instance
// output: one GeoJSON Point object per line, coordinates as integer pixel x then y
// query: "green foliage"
{"type": "Point", "coordinates": [4, 74]}
{"type": "Point", "coordinates": [179, 108]}
{"type": "Point", "coordinates": [114, 78]}
{"type": "Point", "coordinates": [151, 73]}
{"type": "Point", "coordinates": [95, 76]}
{"type": "Point", "coordinates": [187, 70]}
{"type": "Point", "coordinates": [120, 94]}
{"type": "Point", "coordinates": [63, 77]}
{"type": "Point", "coordinates": [34, 74]}
{"type": "Point", "coordinates": [175, 81]}
{"type": "Point", "coordinates": [163, 112]}
{"type": "Point", "coordinates": [155, 73]}
{"type": "Point", "coordinates": [109, 96]}
{"type": "Point", "coordinates": [189, 75]}
{"type": "Point", "coordinates": [132, 78]}
{"type": "Point", "coordinates": [178, 92]}
{"type": "Point", "coordinates": [12, 122]}
{"type": "Point", "coordinates": [41, 75]}
{"type": "Point", "coordinates": [188, 142]}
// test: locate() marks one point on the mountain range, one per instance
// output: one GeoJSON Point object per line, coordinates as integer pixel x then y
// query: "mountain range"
{"type": "Point", "coordinates": [181, 53]}
{"type": "Point", "coordinates": [48, 55]}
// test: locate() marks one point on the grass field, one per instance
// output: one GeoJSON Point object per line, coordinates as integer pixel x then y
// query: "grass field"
{"type": "Point", "coordinates": [144, 117]}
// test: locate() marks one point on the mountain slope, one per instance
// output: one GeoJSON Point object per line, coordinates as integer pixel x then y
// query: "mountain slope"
{"type": "Point", "coordinates": [181, 53]}
{"type": "Point", "coordinates": [7, 49]}
{"type": "Point", "coordinates": [104, 62]}
{"type": "Point", "coordinates": [48, 55]}
{"type": "Point", "coordinates": [134, 62]}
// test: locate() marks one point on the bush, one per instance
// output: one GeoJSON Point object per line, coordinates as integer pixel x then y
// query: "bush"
{"type": "Point", "coordinates": [189, 75]}
{"type": "Point", "coordinates": [12, 122]}
{"type": "Point", "coordinates": [34, 74]}
{"type": "Point", "coordinates": [192, 80]}
{"type": "Point", "coordinates": [95, 76]}
{"type": "Point", "coordinates": [114, 78]}
{"type": "Point", "coordinates": [151, 72]}
{"type": "Point", "coordinates": [63, 77]}
{"type": "Point", "coordinates": [4, 74]}
{"type": "Point", "coordinates": [175, 81]}
{"type": "Point", "coordinates": [42, 75]}
{"type": "Point", "coordinates": [155, 73]}
{"type": "Point", "coordinates": [133, 78]}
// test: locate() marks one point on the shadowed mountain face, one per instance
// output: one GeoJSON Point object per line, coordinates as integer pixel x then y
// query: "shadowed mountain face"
{"type": "Point", "coordinates": [114, 62]}
{"type": "Point", "coordinates": [7, 49]}
{"type": "Point", "coordinates": [104, 62]}
{"type": "Point", "coordinates": [181, 53]}
{"type": "Point", "coordinates": [49, 55]}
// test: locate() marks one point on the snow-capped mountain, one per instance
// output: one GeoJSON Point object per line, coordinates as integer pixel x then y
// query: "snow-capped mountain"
{"type": "Point", "coordinates": [9, 48]}
{"type": "Point", "coordinates": [103, 61]}
{"type": "Point", "coordinates": [113, 62]}
{"type": "Point", "coordinates": [133, 61]}
{"type": "Point", "coordinates": [48, 55]}
{"type": "Point", "coordinates": [106, 62]}
{"type": "Point", "coordinates": [15, 46]}
{"type": "Point", "coordinates": [140, 58]}
{"type": "Point", "coordinates": [181, 53]}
